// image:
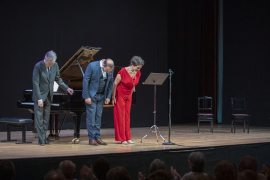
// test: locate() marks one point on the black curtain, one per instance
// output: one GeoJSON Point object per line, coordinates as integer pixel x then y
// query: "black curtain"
{"type": "Point", "coordinates": [122, 28]}
{"type": "Point", "coordinates": [246, 58]}
{"type": "Point", "coordinates": [184, 34]}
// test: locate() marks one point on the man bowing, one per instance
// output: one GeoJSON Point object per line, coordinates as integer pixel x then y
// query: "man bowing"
{"type": "Point", "coordinates": [44, 74]}
{"type": "Point", "coordinates": [97, 89]}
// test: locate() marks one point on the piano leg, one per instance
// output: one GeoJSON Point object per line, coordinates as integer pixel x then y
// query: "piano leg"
{"type": "Point", "coordinates": [56, 127]}
{"type": "Point", "coordinates": [51, 125]}
{"type": "Point", "coordinates": [54, 135]}
{"type": "Point", "coordinates": [77, 126]}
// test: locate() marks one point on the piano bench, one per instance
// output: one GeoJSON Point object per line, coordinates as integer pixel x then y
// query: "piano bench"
{"type": "Point", "coordinates": [18, 123]}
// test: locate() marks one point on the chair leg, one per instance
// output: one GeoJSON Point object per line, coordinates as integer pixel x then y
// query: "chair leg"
{"type": "Point", "coordinates": [198, 126]}
{"type": "Point", "coordinates": [232, 126]}
{"type": "Point", "coordinates": [23, 133]}
{"type": "Point", "coordinates": [8, 132]}
{"type": "Point", "coordinates": [248, 126]}
{"type": "Point", "coordinates": [244, 126]}
{"type": "Point", "coordinates": [212, 127]}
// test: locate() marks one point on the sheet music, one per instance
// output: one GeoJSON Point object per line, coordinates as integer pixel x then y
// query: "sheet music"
{"type": "Point", "coordinates": [55, 86]}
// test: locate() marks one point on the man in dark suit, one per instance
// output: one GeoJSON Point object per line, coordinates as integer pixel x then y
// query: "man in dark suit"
{"type": "Point", "coordinates": [97, 89]}
{"type": "Point", "coordinates": [44, 74]}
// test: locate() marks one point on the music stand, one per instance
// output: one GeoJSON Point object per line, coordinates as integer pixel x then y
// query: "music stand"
{"type": "Point", "coordinates": [155, 79]}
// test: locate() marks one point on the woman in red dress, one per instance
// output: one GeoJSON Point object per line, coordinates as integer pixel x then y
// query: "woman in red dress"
{"type": "Point", "coordinates": [123, 87]}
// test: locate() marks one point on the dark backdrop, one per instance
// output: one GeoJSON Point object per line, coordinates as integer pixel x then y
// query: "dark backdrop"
{"type": "Point", "coordinates": [246, 58]}
{"type": "Point", "coordinates": [122, 28]}
{"type": "Point", "coordinates": [184, 38]}
{"type": "Point", "coordinates": [166, 34]}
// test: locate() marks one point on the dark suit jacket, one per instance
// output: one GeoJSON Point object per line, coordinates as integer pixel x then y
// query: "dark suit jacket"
{"type": "Point", "coordinates": [41, 84]}
{"type": "Point", "coordinates": [91, 81]}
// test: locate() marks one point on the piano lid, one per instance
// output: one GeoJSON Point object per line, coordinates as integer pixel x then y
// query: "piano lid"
{"type": "Point", "coordinates": [71, 70]}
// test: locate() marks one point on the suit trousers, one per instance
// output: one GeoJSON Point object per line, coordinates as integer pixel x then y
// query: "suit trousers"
{"type": "Point", "coordinates": [93, 116]}
{"type": "Point", "coordinates": [42, 117]}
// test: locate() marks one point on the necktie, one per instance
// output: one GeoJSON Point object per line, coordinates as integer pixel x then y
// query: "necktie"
{"type": "Point", "coordinates": [49, 73]}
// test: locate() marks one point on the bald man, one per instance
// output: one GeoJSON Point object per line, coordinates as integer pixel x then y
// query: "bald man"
{"type": "Point", "coordinates": [97, 90]}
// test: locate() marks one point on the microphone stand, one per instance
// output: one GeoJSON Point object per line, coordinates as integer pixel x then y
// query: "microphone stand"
{"type": "Point", "coordinates": [170, 108]}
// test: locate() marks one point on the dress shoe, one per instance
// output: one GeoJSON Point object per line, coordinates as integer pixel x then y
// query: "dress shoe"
{"type": "Point", "coordinates": [124, 142]}
{"type": "Point", "coordinates": [93, 142]}
{"type": "Point", "coordinates": [130, 142]}
{"type": "Point", "coordinates": [100, 142]}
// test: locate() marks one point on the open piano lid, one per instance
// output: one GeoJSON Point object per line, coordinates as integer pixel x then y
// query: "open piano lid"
{"type": "Point", "coordinates": [72, 72]}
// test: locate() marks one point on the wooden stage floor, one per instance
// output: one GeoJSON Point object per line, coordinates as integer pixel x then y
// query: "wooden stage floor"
{"type": "Point", "coordinates": [185, 135]}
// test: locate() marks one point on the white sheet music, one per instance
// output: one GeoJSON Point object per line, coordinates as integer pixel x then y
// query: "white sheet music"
{"type": "Point", "coordinates": [55, 86]}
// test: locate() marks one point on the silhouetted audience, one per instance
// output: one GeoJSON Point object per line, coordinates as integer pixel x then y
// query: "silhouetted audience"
{"type": "Point", "coordinates": [250, 163]}
{"type": "Point", "coordinates": [160, 174]}
{"type": "Point", "coordinates": [101, 167]}
{"type": "Point", "coordinates": [189, 176]}
{"type": "Point", "coordinates": [205, 177]}
{"type": "Point", "coordinates": [54, 175]}
{"type": "Point", "coordinates": [175, 175]}
{"type": "Point", "coordinates": [155, 165]}
{"type": "Point", "coordinates": [196, 162]}
{"type": "Point", "coordinates": [266, 170]}
{"type": "Point", "coordinates": [68, 169]}
{"type": "Point", "coordinates": [225, 170]}
{"type": "Point", "coordinates": [248, 175]}
{"type": "Point", "coordinates": [87, 173]}
{"type": "Point", "coordinates": [118, 173]}
{"type": "Point", "coordinates": [7, 170]}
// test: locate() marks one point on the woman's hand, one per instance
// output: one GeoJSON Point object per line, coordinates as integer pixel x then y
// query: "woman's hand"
{"type": "Point", "coordinates": [113, 100]}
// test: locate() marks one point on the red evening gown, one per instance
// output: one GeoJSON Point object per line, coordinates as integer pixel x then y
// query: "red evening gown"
{"type": "Point", "coordinates": [121, 109]}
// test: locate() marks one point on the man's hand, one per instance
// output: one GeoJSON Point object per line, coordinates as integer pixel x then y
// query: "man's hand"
{"type": "Point", "coordinates": [84, 172]}
{"type": "Point", "coordinates": [87, 172]}
{"type": "Point", "coordinates": [175, 175]}
{"type": "Point", "coordinates": [266, 170]}
{"type": "Point", "coordinates": [88, 100]}
{"type": "Point", "coordinates": [40, 103]}
{"type": "Point", "coordinates": [107, 101]}
{"type": "Point", "coordinates": [70, 91]}
{"type": "Point", "coordinates": [141, 176]}
{"type": "Point", "coordinates": [113, 101]}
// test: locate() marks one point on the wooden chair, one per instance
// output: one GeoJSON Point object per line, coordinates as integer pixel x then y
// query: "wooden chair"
{"type": "Point", "coordinates": [239, 114]}
{"type": "Point", "coordinates": [205, 111]}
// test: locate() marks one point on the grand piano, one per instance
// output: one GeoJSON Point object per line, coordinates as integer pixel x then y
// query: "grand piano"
{"type": "Point", "coordinates": [63, 103]}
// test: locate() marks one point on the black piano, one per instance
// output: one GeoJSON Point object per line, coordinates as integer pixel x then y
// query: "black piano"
{"type": "Point", "coordinates": [63, 103]}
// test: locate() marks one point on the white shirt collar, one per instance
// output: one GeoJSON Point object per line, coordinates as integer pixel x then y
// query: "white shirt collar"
{"type": "Point", "coordinates": [101, 63]}
{"type": "Point", "coordinates": [101, 66]}
{"type": "Point", "coordinates": [46, 66]}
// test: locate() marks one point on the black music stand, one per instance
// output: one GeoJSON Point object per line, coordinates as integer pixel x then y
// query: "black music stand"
{"type": "Point", "coordinates": [155, 79]}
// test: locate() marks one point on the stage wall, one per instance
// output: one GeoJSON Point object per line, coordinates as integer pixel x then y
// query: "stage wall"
{"type": "Point", "coordinates": [246, 58]}
{"type": "Point", "coordinates": [122, 28]}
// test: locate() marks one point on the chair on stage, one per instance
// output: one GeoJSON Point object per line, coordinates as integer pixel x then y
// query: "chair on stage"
{"type": "Point", "coordinates": [239, 114]}
{"type": "Point", "coordinates": [205, 111]}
